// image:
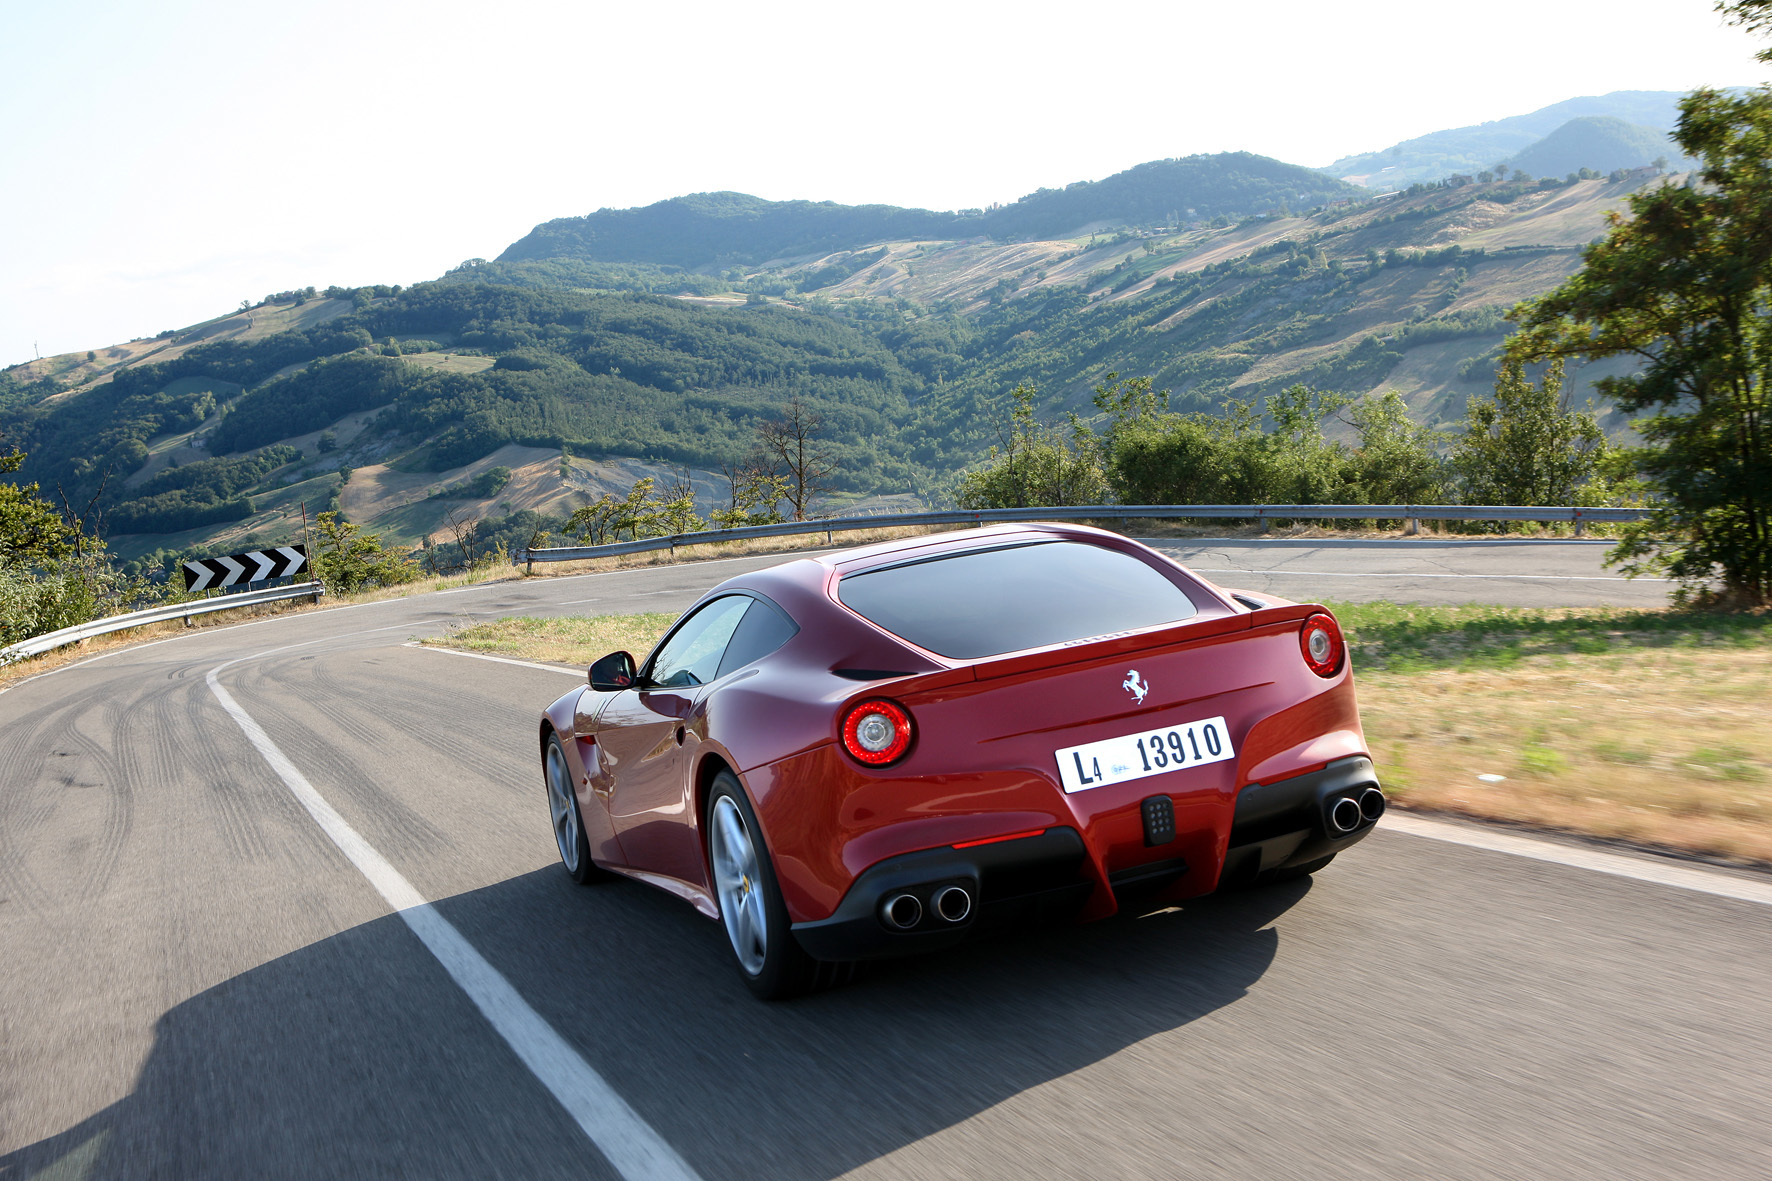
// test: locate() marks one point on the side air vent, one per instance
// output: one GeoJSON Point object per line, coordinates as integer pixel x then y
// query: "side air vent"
{"type": "Point", "coordinates": [866, 674]}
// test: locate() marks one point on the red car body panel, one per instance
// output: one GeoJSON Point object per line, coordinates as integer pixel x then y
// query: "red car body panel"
{"type": "Point", "coordinates": [983, 762]}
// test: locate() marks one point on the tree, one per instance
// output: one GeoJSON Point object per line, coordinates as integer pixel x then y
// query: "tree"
{"type": "Point", "coordinates": [466, 532]}
{"type": "Point", "coordinates": [351, 560]}
{"type": "Point", "coordinates": [1157, 457]}
{"type": "Point", "coordinates": [1684, 287]}
{"type": "Point", "coordinates": [1525, 445]}
{"type": "Point", "coordinates": [1753, 15]}
{"type": "Point", "coordinates": [793, 440]}
{"type": "Point", "coordinates": [755, 492]}
{"type": "Point", "coordinates": [676, 506]}
{"type": "Point", "coordinates": [1038, 464]}
{"type": "Point", "coordinates": [31, 530]}
{"type": "Point", "coordinates": [593, 524]}
{"type": "Point", "coordinates": [1398, 461]}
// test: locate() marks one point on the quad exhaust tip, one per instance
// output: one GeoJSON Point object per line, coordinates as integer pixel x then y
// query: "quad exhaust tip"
{"type": "Point", "coordinates": [952, 903]}
{"type": "Point", "coordinates": [1372, 803]}
{"type": "Point", "coordinates": [901, 912]}
{"type": "Point", "coordinates": [1345, 814]}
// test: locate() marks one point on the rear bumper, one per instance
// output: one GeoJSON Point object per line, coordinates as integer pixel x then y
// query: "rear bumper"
{"type": "Point", "coordinates": [1050, 875]}
{"type": "Point", "coordinates": [1285, 824]}
{"type": "Point", "coordinates": [1028, 879]}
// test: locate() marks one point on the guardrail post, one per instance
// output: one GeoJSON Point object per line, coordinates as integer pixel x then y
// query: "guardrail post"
{"type": "Point", "coordinates": [1412, 526]}
{"type": "Point", "coordinates": [1580, 525]}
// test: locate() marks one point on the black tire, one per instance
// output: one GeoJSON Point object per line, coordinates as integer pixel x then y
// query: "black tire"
{"type": "Point", "coordinates": [568, 822]}
{"type": "Point", "coordinates": [770, 960]}
{"type": "Point", "coordinates": [1292, 873]}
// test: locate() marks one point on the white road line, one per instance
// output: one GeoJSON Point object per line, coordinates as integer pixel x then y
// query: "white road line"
{"type": "Point", "coordinates": [1485, 577]}
{"type": "Point", "coordinates": [574, 602]}
{"type": "Point", "coordinates": [552, 668]}
{"type": "Point", "coordinates": [1680, 876]}
{"type": "Point", "coordinates": [627, 1140]}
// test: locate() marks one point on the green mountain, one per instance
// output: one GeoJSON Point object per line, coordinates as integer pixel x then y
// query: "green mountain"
{"type": "Point", "coordinates": [1599, 142]}
{"type": "Point", "coordinates": [1470, 150]}
{"type": "Point", "coordinates": [712, 230]}
{"type": "Point", "coordinates": [534, 384]}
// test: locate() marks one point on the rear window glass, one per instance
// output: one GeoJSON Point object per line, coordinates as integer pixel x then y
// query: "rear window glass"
{"type": "Point", "coordinates": [987, 602]}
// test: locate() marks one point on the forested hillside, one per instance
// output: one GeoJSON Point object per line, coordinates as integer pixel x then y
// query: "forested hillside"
{"type": "Point", "coordinates": [720, 229]}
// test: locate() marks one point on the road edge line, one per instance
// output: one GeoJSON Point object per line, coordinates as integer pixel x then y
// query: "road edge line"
{"type": "Point", "coordinates": [1682, 877]}
{"type": "Point", "coordinates": [625, 1139]}
{"type": "Point", "coordinates": [553, 668]}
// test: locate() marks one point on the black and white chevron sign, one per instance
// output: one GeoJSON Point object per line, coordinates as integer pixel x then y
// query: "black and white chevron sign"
{"type": "Point", "coordinates": [252, 566]}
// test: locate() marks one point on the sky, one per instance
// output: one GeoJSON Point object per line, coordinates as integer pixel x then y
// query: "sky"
{"type": "Point", "coordinates": [163, 162]}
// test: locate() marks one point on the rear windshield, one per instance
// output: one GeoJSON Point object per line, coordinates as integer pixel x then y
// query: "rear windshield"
{"type": "Point", "coordinates": [987, 602]}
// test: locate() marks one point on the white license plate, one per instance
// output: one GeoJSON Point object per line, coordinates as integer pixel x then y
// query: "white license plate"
{"type": "Point", "coordinates": [1149, 752]}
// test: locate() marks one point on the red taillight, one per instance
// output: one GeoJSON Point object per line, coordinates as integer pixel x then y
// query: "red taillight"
{"type": "Point", "coordinates": [1320, 641]}
{"type": "Point", "coordinates": [876, 732]}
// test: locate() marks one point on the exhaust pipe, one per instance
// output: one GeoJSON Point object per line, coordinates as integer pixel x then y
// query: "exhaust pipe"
{"type": "Point", "coordinates": [1372, 803]}
{"type": "Point", "coordinates": [901, 912]}
{"type": "Point", "coordinates": [1345, 815]}
{"type": "Point", "coordinates": [952, 903]}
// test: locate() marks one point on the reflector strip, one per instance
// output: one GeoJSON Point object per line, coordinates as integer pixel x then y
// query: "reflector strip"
{"type": "Point", "coordinates": [1014, 836]}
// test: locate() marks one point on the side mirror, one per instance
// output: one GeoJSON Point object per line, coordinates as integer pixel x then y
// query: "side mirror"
{"type": "Point", "coordinates": [613, 672]}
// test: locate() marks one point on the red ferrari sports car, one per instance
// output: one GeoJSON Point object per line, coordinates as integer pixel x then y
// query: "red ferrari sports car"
{"type": "Point", "coordinates": [881, 751]}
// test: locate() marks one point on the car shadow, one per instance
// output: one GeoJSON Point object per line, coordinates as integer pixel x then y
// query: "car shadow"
{"type": "Point", "coordinates": [357, 1056]}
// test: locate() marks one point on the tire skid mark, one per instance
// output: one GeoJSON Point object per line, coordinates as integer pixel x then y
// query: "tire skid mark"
{"type": "Point", "coordinates": [238, 812]}
{"type": "Point", "coordinates": [47, 851]}
{"type": "Point", "coordinates": [27, 804]}
{"type": "Point", "coordinates": [401, 701]}
{"type": "Point", "coordinates": [317, 739]}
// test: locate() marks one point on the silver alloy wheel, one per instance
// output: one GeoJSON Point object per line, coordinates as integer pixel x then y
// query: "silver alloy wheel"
{"type": "Point", "coordinates": [560, 804]}
{"type": "Point", "coordinates": [737, 882]}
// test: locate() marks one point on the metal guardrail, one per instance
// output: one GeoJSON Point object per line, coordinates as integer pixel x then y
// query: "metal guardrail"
{"type": "Point", "coordinates": [1098, 512]}
{"type": "Point", "coordinates": [37, 645]}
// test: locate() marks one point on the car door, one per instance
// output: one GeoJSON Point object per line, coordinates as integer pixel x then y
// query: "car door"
{"type": "Point", "coordinates": [647, 744]}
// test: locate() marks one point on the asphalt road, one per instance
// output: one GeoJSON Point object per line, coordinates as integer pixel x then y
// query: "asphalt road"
{"type": "Point", "coordinates": [1515, 571]}
{"type": "Point", "coordinates": [201, 974]}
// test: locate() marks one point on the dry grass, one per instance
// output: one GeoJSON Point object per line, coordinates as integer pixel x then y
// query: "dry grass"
{"type": "Point", "coordinates": [1647, 727]}
{"type": "Point", "coordinates": [450, 362]}
{"type": "Point", "coordinates": [1668, 749]}
{"type": "Point", "coordinates": [576, 639]}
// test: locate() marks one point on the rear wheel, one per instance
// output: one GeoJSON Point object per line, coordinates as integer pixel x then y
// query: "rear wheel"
{"type": "Point", "coordinates": [569, 828]}
{"type": "Point", "coordinates": [770, 959]}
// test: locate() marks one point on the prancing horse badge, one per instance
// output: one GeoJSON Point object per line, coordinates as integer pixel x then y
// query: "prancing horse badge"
{"type": "Point", "coordinates": [1135, 685]}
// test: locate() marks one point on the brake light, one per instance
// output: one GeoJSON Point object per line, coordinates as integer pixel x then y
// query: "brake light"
{"type": "Point", "coordinates": [1320, 641]}
{"type": "Point", "coordinates": [876, 732]}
